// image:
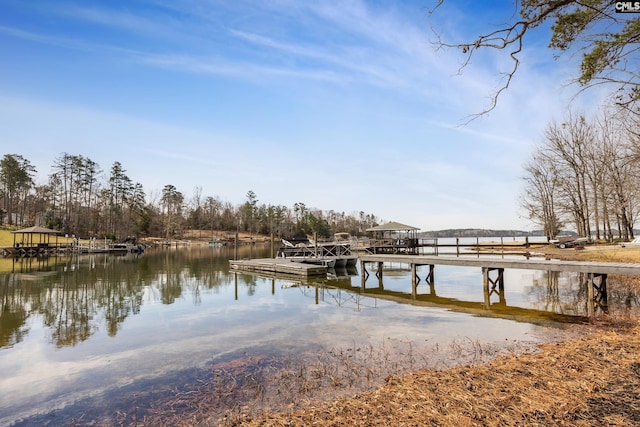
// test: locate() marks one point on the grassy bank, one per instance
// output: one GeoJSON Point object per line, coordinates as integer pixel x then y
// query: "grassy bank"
{"type": "Point", "coordinates": [6, 237]}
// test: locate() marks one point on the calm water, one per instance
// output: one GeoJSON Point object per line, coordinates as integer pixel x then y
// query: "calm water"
{"type": "Point", "coordinates": [75, 332]}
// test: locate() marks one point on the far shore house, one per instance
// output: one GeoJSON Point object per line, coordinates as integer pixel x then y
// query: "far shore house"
{"type": "Point", "coordinates": [394, 238]}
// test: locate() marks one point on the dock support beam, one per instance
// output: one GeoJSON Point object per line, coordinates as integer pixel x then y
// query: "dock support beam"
{"type": "Point", "coordinates": [597, 292]}
{"type": "Point", "coordinates": [430, 277]}
{"type": "Point", "coordinates": [379, 271]}
{"type": "Point", "coordinates": [415, 280]}
{"type": "Point", "coordinates": [490, 284]}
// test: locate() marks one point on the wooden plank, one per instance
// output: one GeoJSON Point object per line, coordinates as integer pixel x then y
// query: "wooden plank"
{"type": "Point", "coordinates": [279, 266]}
{"type": "Point", "coordinates": [527, 264]}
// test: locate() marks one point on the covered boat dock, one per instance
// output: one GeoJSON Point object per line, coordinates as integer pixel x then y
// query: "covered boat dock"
{"type": "Point", "coordinates": [32, 241]}
{"type": "Point", "coordinates": [393, 238]}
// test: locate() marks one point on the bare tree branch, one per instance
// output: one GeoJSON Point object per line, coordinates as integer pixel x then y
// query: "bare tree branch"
{"type": "Point", "coordinates": [609, 43]}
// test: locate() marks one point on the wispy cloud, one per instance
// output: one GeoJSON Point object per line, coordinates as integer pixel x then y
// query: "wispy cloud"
{"type": "Point", "coordinates": [63, 42]}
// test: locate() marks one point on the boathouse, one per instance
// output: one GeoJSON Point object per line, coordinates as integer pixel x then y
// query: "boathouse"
{"type": "Point", "coordinates": [33, 241]}
{"type": "Point", "coordinates": [393, 238]}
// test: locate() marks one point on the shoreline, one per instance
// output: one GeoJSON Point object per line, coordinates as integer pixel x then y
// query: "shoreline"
{"type": "Point", "coordinates": [579, 382]}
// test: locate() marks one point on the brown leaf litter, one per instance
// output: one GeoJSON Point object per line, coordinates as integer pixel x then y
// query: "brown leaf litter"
{"type": "Point", "coordinates": [593, 380]}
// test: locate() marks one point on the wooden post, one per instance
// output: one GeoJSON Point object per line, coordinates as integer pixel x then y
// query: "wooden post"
{"type": "Point", "coordinates": [590, 298]}
{"type": "Point", "coordinates": [414, 280]}
{"type": "Point", "coordinates": [272, 245]}
{"type": "Point", "coordinates": [315, 242]}
{"type": "Point", "coordinates": [364, 275]}
{"type": "Point", "coordinates": [485, 287]}
{"type": "Point", "coordinates": [379, 271]}
{"type": "Point", "coordinates": [597, 284]}
{"type": "Point", "coordinates": [491, 284]}
{"type": "Point", "coordinates": [235, 253]}
{"type": "Point", "coordinates": [430, 277]}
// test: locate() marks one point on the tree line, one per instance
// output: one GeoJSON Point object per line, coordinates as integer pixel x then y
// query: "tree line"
{"type": "Point", "coordinates": [586, 175]}
{"type": "Point", "coordinates": [80, 198]}
{"type": "Point", "coordinates": [585, 172]}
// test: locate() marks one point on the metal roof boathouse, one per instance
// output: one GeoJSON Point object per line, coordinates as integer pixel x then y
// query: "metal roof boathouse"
{"type": "Point", "coordinates": [34, 241]}
{"type": "Point", "coordinates": [394, 238]}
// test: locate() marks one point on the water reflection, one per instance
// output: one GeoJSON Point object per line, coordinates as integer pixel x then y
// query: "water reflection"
{"type": "Point", "coordinates": [75, 295]}
{"type": "Point", "coordinates": [85, 325]}
{"type": "Point", "coordinates": [426, 295]}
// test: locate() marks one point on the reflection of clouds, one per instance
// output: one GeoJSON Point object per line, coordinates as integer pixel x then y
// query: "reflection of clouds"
{"type": "Point", "coordinates": [165, 338]}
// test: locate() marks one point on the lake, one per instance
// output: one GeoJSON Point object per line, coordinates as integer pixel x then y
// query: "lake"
{"type": "Point", "coordinates": [97, 337]}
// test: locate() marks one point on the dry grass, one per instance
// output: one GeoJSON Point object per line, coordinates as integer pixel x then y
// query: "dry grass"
{"type": "Point", "coordinates": [590, 381]}
{"type": "Point", "coordinates": [603, 253]}
{"type": "Point", "coordinates": [243, 389]}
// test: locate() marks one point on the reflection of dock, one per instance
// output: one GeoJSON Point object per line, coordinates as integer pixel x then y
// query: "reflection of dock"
{"type": "Point", "coordinates": [498, 309]}
{"type": "Point", "coordinates": [320, 289]}
{"type": "Point", "coordinates": [282, 266]}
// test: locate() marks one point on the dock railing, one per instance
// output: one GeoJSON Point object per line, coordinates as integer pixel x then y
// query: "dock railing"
{"type": "Point", "coordinates": [450, 246]}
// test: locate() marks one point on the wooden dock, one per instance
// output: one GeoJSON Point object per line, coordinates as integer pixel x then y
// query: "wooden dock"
{"type": "Point", "coordinates": [281, 266]}
{"type": "Point", "coordinates": [632, 269]}
{"type": "Point", "coordinates": [493, 271]}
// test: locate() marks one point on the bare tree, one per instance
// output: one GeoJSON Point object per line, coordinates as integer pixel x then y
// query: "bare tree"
{"type": "Point", "coordinates": [541, 191]}
{"type": "Point", "coordinates": [566, 145]}
{"type": "Point", "coordinates": [588, 172]}
{"type": "Point", "coordinates": [607, 41]}
{"type": "Point", "coordinates": [172, 203]}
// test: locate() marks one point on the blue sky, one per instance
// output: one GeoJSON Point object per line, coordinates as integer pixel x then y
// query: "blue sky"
{"type": "Point", "coordinates": [340, 105]}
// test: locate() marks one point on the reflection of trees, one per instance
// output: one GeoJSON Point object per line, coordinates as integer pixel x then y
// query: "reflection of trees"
{"type": "Point", "coordinates": [67, 312]}
{"type": "Point", "coordinates": [74, 305]}
{"type": "Point", "coordinates": [120, 299]}
{"type": "Point", "coordinates": [13, 315]}
{"type": "Point", "coordinates": [623, 292]}
{"type": "Point", "coordinates": [251, 282]}
{"type": "Point", "coordinates": [170, 287]}
{"type": "Point", "coordinates": [562, 293]}
{"type": "Point", "coordinates": [81, 294]}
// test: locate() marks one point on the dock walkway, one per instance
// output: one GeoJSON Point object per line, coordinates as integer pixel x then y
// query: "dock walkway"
{"type": "Point", "coordinates": [632, 269]}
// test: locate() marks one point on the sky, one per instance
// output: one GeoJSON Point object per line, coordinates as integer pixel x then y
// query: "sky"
{"type": "Point", "coordinates": [340, 105]}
